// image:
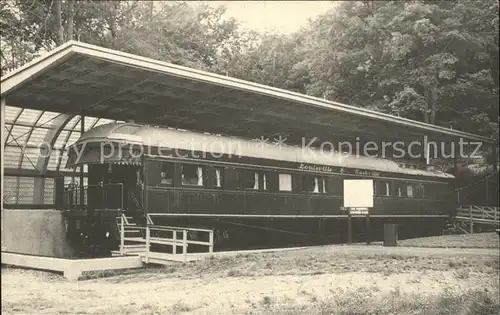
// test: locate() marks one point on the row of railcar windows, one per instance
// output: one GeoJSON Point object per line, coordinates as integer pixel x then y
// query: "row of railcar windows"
{"type": "Point", "coordinates": [214, 177]}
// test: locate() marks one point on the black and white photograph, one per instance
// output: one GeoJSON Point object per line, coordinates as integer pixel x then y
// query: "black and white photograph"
{"type": "Point", "coordinates": [249, 157]}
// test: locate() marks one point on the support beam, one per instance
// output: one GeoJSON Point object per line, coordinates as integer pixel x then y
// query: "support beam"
{"type": "Point", "coordinates": [50, 139]}
{"type": "Point", "coordinates": [2, 152]}
{"type": "Point", "coordinates": [495, 157]}
{"type": "Point", "coordinates": [82, 190]}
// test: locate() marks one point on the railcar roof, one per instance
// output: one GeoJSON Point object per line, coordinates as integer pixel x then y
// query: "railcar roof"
{"type": "Point", "coordinates": [186, 140]}
{"type": "Point", "coordinates": [78, 78]}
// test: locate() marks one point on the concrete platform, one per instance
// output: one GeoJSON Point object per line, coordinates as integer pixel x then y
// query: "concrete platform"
{"type": "Point", "coordinates": [71, 268]}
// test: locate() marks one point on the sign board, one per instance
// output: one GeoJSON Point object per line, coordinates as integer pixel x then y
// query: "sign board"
{"type": "Point", "coordinates": [358, 193]}
{"type": "Point", "coordinates": [358, 211]}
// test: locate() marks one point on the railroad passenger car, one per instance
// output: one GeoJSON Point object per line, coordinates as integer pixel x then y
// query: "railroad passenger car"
{"type": "Point", "coordinates": [252, 193]}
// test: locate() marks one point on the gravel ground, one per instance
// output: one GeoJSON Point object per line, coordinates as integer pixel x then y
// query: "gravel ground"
{"type": "Point", "coordinates": [353, 279]}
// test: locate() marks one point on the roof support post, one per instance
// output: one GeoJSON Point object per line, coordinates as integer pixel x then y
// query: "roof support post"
{"type": "Point", "coordinates": [495, 157]}
{"type": "Point", "coordinates": [82, 190]}
{"type": "Point", "coordinates": [39, 189]}
{"type": "Point", "coordinates": [2, 146]}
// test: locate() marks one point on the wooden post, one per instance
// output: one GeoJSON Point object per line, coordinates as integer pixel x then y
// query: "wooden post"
{"type": "Point", "coordinates": [471, 222]}
{"type": "Point", "coordinates": [122, 236]}
{"type": "Point", "coordinates": [211, 241]}
{"type": "Point", "coordinates": [349, 227]}
{"type": "Point", "coordinates": [486, 201]}
{"type": "Point", "coordinates": [495, 157]}
{"type": "Point", "coordinates": [174, 246]}
{"type": "Point", "coordinates": [2, 152]}
{"type": "Point", "coordinates": [368, 229]}
{"type": "Point", "coordinates": [184, 245]}
{"type": "Point", "coordinates": [82, 191]}
{"type": "Point", "coordinates": [147, 243]}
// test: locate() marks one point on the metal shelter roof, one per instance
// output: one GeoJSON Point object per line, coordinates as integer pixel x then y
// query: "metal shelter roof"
{"type": "Point", "coordinates": [81, 79]}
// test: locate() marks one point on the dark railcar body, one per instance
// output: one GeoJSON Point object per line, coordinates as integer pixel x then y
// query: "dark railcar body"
{"type": "Point", "coordinates": [260, 195]}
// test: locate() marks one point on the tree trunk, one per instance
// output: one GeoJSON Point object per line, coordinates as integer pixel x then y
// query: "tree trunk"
{"type": "Point", "coordinates": [69, 23]}
{"type": "Point", "coordinates": [59, 27]}
{"type": "Point", "coordinates": [431, 104]}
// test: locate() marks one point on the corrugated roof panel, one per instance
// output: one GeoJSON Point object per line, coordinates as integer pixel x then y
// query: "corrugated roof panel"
{"type": "Point", "coordinates": [64, 160]}
{"type": "Point", "coordinates": [54, 159]}
{"type": "Point", "coordinates": [12, 155]}
{"type": "Point", "coordinates": [11, 113]}
{"type": "Point", "coordinates": [73, 123]}
{"type": "Point", "coordinates": [29, 116]}
{"type": "Point", "coordinates": [7, 131]}
{"type": "Point", "coordinates": [61, 139]}
{"type": "Point", "coordinates": [38, 136]}
{"type": "Point", "coordinates": [18, 135]}
{"type": "Point", "coordinates": [48, 118]}
{"type": "Point", "coordinates": [30, 158]}
{"type": "Point", "coordinates": [103, 121]}
{"type": "Point", "coordinates": [73, 138]}
{"type": "Point", "coordinates": [89, 121]}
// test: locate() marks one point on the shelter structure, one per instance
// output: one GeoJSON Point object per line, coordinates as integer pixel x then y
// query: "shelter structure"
{"type": "Point", "coordinates": [49, 102]}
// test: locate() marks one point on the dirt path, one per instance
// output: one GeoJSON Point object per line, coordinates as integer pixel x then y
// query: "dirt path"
{"type": "Point", "coordinates": [268, 283]}
{"type": "Point", "coordinates": [28, 292]}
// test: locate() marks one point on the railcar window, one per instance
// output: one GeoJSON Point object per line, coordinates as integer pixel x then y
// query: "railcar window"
{"type": "Point", "coordinates": [409, 191]}
{"type": "Point", "coordinates": [310, 184]}
{"type": "Point", "coordinates": [264, 181]}
{"type": "Point", "coordinates": [192, 175]}
{"type": "Point", "coordinates": [384, 189]}
{"type": "Point", "coordinates": [420, 191]}
{"type": "Point", "coordinates": [167, 173]}
{"type": "Point", "coordinates": [400, 190]}
{"type": "Point", "coordinates": [285, 182]}
{"type": "Point", "coordinates": [217, 177]}
{"type": "Point", "coordinates": [127, 129]}
{"type": "Point", "coordinates": [323, 185]}
{"type": "Point", "coordinates": [248, 179]}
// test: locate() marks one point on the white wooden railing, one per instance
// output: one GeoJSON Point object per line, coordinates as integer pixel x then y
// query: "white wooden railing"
{"type": "Point", "coordinates": [483, 213]}
{"type": "Point", "coordinates": [156, 235]}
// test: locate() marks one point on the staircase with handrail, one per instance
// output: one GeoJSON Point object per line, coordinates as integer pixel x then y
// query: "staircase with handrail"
{"type": "Point", "coordinates": [138, 240]}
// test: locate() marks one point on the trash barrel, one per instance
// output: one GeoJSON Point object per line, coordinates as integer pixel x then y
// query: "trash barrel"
{"type": "Point", "coordinates": [390, 234]}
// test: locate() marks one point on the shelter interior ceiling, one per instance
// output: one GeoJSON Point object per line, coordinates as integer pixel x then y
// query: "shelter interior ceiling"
{"type": "Point", "coordinates": [28, 131]}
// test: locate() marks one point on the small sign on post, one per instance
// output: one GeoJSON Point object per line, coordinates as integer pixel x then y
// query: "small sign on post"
{"type": "Point", "coordinates": [358, 199]}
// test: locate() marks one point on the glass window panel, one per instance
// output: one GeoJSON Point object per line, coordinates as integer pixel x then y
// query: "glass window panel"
{"type": "Point", "coordinates": [409, 191]}
{"type": "Point", "coordinates": [12, 155]}
{"type": "Point", "coordinates": [285, 182]}
{"type": "Point", "coordinates": [48, 197]}
{"type": "Point", "coordinates": [10, 190]}
{"type": "Point", "coordinates": [26, 190]}
{"type": "Point", "coordinates": [167, 173]}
